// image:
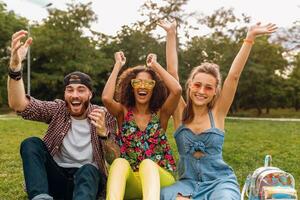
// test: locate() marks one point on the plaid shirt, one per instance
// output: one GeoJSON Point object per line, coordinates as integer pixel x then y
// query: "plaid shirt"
{"type": "Point", "coordinates": [56, 114]}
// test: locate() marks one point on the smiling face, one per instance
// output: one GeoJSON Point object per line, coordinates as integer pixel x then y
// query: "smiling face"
{"type": "Point", "coordinates": [202, 89]}
{"type": "Point", "coordinates": [77, 98]}
{"type": "Point", "coordinates": [143, 85]}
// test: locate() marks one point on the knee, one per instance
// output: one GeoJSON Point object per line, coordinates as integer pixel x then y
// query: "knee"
{"type": "Point", "coordinates": [88, 168]}
{"type": "Point", "coordinates": [226, 194]}
{"type": "Point", "coordinates": [88, 176]}
{"type": "Point", "coordinates": [31, 145]}
{"type": "Point", "coordinates": [147, 164]}
{"type": "Point", "coordinates": [120, 164]}
{"type": "Point", "coordinates": [166, 194]}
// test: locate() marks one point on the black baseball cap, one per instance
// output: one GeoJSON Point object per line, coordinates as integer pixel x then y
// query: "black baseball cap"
{"type": "Point", "coordinates": [78, 77]}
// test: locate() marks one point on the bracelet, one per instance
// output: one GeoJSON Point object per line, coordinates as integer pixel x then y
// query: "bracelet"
{"type": "Point", "coordinates": [104, 137]}
{"type": "Point", "coordinates": [248, 41]}
{"type": "Point", "coordinates": [15, 75]}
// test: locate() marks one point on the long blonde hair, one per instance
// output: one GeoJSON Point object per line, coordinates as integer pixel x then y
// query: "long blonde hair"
{"type": "Point", "coordinates": [207, 68]}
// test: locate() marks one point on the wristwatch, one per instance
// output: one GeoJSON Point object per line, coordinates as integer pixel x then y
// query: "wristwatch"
{"type": "Point", "coordinates": [15, 75]}
{"type": "Point", "coordinates": [104, 137]}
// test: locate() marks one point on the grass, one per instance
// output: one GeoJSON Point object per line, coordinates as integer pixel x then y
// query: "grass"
{"type": "Point", "coordinates": [246, 144]}
{"type": "Point", "coordinates": [273, 113]}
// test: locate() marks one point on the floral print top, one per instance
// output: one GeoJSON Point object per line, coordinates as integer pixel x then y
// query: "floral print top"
{"type": "Point", "coordinates": [137, 145]}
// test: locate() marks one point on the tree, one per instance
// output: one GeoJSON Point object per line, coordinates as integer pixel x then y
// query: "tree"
{"type": "Point", "coordinates": [295, 83]}
{"type": "Point", "coordinates": [166, 9]}
{"type": "Point", "coordinates": [9, 23]}
{"type": "Point", "coordinates": [61, 46]}
{"type": "Point", "coordinates": [259, 85]}
{"type": "Point", "coordinates": [289, 38]}
{"type": "Point", "coordinates": [136, 45]}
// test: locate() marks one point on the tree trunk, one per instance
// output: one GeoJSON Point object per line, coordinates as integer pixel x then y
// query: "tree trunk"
{"type": "Point", "coordinates": [259, 111]}
{"type": "Point", "coordinates": [267, 110]}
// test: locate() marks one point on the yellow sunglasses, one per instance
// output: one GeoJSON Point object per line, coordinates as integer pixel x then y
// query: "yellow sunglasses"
{"type": "Point", "coordinates": [147, 84]}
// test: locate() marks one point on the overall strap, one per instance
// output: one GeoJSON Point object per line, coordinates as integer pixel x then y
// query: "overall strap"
{"type": "Point", "coordinates": [211, 119]}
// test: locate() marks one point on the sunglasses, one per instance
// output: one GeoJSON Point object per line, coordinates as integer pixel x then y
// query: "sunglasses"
{"type": "Point", "coordinates": [138, 83]}
{"type": "Point", "coordinates": [198, 85]}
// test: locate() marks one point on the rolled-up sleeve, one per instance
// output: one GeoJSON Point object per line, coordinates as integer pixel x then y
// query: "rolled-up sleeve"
{"type": "Point", "coordinates": [38, 110]}
{"type": "Point", "coordinates": [110, 123]}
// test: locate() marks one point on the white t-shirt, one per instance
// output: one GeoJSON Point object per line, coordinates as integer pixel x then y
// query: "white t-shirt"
{"type": "Point", "coordinates": [76, 149]}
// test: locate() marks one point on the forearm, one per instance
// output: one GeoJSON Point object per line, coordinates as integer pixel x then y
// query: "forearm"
{"type": "Point", "coordinates": [171, 54]}
{"type": "Point", "coordinates": [231, 82]}
{"type": "Point", "coordinates": [241, 58]}
{"type": "Point", "coordinates": [109, 89]}
{"type": "Point", "coordinates": [171, 83]}
{"type": "Point", "coordinates": [16, 94]}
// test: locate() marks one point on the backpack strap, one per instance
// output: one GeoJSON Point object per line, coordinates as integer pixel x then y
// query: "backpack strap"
{"type": "Point", "coordinates": [268, 161]}
{"type": "Point", "coordinates": [246, 187]}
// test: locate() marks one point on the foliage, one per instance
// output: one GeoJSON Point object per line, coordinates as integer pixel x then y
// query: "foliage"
{"type": "Point", "coordinates": [9, 23]}
{"type": "Point", "coordinates": [165, 9]}
{"type": "Point", "coordinates": [65, 42]}
{"type": "Point", "coordinates": [61, 46]}
{"type": "Point", "coordinates": [136, 45]}
{"type": "Point", "coordinates": [295, 83]}
{"type": "Point", "coordinates": [259, 86]}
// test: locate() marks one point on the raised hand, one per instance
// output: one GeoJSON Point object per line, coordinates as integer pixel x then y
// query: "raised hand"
{"type": "Point", "coordinates": [259, 29]}
{"type": "Point", "coordinates": [18, 49]}
{"type": "Point", "coordinates": [151, 60]}
{"type": "Point", "coordinates": [97, 117]}
{"type": "Point", "coordinates": [168, 26]}
{"type": "Point", "coordinates": [120, 58]}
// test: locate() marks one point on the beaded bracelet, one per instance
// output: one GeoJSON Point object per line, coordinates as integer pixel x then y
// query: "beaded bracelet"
{"type": "Point", "coordinates": [248, 41]}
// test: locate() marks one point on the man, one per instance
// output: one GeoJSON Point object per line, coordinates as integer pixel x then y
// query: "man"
{"type": "Point", "coordinates": [69, 162]}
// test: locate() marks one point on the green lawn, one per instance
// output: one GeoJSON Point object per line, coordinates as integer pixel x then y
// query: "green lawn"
{"type": "Point", "coordinates": [273, 113]}
{"type": "Point", "coordinates": [246, 144]}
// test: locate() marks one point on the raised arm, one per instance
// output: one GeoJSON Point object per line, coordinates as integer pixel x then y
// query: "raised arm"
{"type": "Point", "coordinates": [172, 63]}
{"type": "Point", "coordinates": [173, 86]}
{"type": "Point", "coordinates": [115, 108]}
{"type": "Point", "coordinates": [15, 88]}
{"type": "Point", "coordinates": [171, 47]}
{"type": "Point", "coordinates": [231, 82]}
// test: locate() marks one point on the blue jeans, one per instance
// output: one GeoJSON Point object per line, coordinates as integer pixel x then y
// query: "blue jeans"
{"type": "Point", "coordinates": [44, 177]}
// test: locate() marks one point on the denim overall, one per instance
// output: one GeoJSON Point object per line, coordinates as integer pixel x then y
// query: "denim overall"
{"type": "Point", "coordinates": [207, 177]}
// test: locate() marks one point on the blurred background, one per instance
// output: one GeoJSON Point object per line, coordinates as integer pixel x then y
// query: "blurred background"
{"type": "Point", "coordinates": [83, 35]}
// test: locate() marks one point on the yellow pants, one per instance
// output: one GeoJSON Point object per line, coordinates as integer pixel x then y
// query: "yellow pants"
{"type": "Point", "coordinates": [145, 183]}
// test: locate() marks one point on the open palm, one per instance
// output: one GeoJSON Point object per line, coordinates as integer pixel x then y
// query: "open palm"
{"type": "Point", "coordinates": [167, 25]}
{"type": "Point", "coordinates": [259, 29]}
{"type": "Point", "coordinates": [18, 49]}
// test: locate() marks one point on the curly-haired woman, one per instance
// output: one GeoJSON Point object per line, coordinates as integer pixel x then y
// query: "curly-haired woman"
{"type": "Point", "coordinates": [146, 98]}
{"type": "Point", "coordinates": [200, 123]}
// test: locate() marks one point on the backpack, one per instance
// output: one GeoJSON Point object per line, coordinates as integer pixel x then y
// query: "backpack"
{"type": "Point", "coordinates": [269, 183]}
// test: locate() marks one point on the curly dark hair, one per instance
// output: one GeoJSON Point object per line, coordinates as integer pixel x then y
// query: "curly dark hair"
{"type": "Point", "coordinates": [125, 93]}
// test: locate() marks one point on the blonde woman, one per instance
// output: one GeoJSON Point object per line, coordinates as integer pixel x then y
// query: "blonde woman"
{"type": "Point", "coordinates": [200, 123]}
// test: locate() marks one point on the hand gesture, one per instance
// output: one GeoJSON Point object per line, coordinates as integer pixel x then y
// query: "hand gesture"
{"type": "Point", "coordinates": [18, 49]}
{"type": "Point", "coordinates": [259, 29]}
{"type": "Point", "coordinates": [151, 60]}
{"type": "Point", "coordinates": [120, 58]}
{"type": "Point", "coordinates": [168, 26]}
{"type": "Point", "coordinates": [97, 117]}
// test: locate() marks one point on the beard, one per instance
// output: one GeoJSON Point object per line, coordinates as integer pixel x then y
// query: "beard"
{"type": "Point", "coordinates": [84, 107]}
